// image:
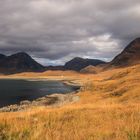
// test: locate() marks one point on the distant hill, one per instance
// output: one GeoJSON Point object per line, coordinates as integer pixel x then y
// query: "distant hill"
{"type": "Point", "coordinates": [22, 62]}
{"type": "Point", "coordinates": [2, 56]}
{"type": "Point", "coordinates": [54, 68]}
{"type": "Point", "coordinates": [19, 62]}
{"type": "Point", "coordinates": [90, 69]}
{"type": "Point", "coordinates": [129, 56]}
{"type": "Point", "coordinates": [79, 63]}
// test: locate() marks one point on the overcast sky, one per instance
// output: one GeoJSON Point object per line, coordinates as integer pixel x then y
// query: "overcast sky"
{"type": "Point", "coordinates": [54, 31]}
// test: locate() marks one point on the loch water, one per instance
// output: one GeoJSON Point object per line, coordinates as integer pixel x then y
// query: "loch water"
{"type": "Point", "coordinates": [13, 91]}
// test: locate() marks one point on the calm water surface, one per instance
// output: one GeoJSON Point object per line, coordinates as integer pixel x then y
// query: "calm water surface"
{"type": "Point", "coordinates": [14, 91]}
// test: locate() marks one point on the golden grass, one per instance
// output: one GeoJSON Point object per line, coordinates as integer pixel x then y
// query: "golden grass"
{"type": "Point", "coordinates": [108, 109]}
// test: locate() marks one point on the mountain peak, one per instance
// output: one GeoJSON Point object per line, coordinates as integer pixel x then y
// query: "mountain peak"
{"type": "Point", "coordinates": [21, 54]}
{"type": "Point", "coordinates": [19, 62]}
{"type": "Point", "coordinates": [78, 63]}
{"type": "Point", "coordinates": [77, 58]}
{"type": "Point", "coordinates": [129, 56]}
{"type": "Point", "coordinates": [134, 44]}
{"type": "Point", "coordinates": [137, 39]}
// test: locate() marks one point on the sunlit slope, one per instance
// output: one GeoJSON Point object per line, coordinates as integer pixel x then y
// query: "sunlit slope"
{"type": "Point", "coordinates": [121, 84]}
{"type": "Point", "coordinates": [108, 109]}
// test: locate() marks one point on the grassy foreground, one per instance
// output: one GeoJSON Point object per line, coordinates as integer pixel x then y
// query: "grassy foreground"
{"type": "Point", "coordinates": [109, 109]}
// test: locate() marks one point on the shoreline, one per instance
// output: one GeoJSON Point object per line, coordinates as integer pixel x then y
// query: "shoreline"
{"type": "Point", "coordinates": [52, 100]}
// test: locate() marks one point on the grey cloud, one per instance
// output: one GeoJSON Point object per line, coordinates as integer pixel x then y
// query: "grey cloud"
{"type": "Point", "coordinates": [57, 30]}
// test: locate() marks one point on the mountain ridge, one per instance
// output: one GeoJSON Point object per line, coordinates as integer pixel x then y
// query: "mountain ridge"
{"type": "Point", "coordinates": [79, 63]}
{"type": "Point", "coordinates": [19, 62]}
{"type": "Point", "coordinates": [22, 62]}
{"type": "Point", "coordinates": [129, 56]}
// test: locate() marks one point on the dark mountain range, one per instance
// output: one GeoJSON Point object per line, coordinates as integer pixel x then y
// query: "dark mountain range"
{"type": "Point", "coordinates": [55, 68]}
{"type": "Point", "coordinates": [129, 56]}
{"type": "Point", "coordinates": [79, 63]}
{"type": "Point", "coordinates": [22, 62]}
{"type": "Point", "coordinates": [76, 64]}
{"type": "Point", "coordinates": [19, 62]}
{"type": "Point", "coordinates": [2, 56]}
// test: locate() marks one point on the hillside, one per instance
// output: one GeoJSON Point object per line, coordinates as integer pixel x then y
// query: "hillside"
{"type": "Point", "coordinates": [76, 64]}
{"type": "Point", "coordinates": [129, 56]}
{"type": "Point", "coordinates": [108, 109]}
{"type": "Point", "coordinates": [79, 63]}
{"type": "Point", "coordinates": [90, 69]}
{"type": "Point", "coordinates": [20, 62]}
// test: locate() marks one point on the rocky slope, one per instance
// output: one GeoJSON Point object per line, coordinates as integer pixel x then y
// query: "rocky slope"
{"type": "Point", "coordinates": [129, 56]}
